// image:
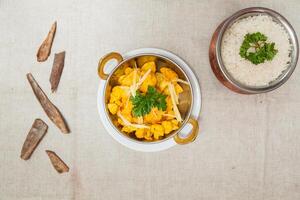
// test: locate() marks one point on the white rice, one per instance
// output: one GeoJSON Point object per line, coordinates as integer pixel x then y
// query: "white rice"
{"type": "Point", "coordinates": [243, 70]}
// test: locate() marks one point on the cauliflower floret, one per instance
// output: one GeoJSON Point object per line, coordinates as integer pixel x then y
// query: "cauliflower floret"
{"type": "Point", "coordinates": [127, 116]}
{"type": "Point", "coordinates": [167, 92]}
{"type": "Point", "coordinates": [120, 122]}
{"type": "Point", "coordinates": [162, 83]}
{"type": "Point", "coordinates": [148, 135]}
{"type": "Point", "coordinates": [169, 109]}
{"type": "Point", "coordinates": [121, 78]}
{"type": "Point", "coordinates": [168, 127]}
{"type": "Point", "coordinates": [138, 120]}
{"type": "Point", "coordinates": [144, 59]}
{"type": "Point", "coordinates": [157, 130]}
{"type": "Point", "coordinates": [113, 108]}
{"type": "Point", "coordinates": [140, 133]}
{"type": "Point", "coordinates": [127, 108]}
{"type": "Point", "coordinates": [178, 88]}
{"type": "Point", "coordinates": [149, 65]}
{"type": "Point", "coordinates": [169, 103]}
{"type": "Point", "coordinates": [168, 73]}
{"type": "Point", "coordinates": [117, 95]}
{"type": "Point", "coordinates": [128, 70]}
{"type": "Point", "coordinates": [149, 81]}
{"type": "Point", "coordinates": [170, 115]}
{"type": "Point", "coordinates": [154, 116]}
{"type": "Point", "coordinates": [127, 80]}
{"type": "Point", "coordinates": [128, 129]}
{"type": "Point", "coordinates": [175, 122]}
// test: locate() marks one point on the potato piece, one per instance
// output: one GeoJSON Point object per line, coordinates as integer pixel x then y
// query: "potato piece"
{"type": "Point", "coordinates": [149, 65]}
{"type": "Point", "coordinates": [113, 108]}
{"type": "Point", "coordinates": [168, 73]}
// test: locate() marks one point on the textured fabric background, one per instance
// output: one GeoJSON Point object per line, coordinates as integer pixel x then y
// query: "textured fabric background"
{"type": "Point", "coordinates": [249, 147]}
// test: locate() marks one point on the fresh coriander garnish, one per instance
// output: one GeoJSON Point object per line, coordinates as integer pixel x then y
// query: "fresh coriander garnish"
{"type": "Point", "coordinates": [142, 104]}
{"type": "Point", "coordinates": [255, 48]}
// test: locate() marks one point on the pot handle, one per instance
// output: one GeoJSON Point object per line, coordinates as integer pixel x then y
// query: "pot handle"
{"type": "Point", "coordinates": [104, 60]}
{"type": "Point", "coordinates": [192, 135]}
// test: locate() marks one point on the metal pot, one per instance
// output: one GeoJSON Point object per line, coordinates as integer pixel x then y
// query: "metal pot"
{"type": "Point", "coordinates": [217, 64]}
{"type": "Point", "coordinates": [185, 99]}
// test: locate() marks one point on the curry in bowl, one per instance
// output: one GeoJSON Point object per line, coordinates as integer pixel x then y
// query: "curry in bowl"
{"type": "Point", "coordinates": [148, 99]}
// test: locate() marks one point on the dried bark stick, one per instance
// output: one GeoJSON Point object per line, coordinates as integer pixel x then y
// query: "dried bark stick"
{"type": "Point", "coordinates": [45, 48]}
{"type": "Point", "coordinates": [57, 162]}
{"type": "Point", "coordinates": [35, 135]}
{"type": "Point", "coordinates": [57, 69]}
{"type": "Point", "coordinates": [50, 109]}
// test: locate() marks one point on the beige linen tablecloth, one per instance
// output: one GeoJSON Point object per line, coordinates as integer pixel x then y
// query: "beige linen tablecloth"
{"type": "Point", "coordinates": [249, 146]}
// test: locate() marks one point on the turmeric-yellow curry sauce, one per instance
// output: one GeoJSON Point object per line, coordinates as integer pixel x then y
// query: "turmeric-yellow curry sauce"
{"type": "Point", "coordinates": [144, 102]}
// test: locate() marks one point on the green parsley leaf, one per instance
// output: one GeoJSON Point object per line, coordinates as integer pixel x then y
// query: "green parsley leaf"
{"type": "Point", "coordinates": [142, 104]}
{"type": "Point", "coordinates": [262, 50]}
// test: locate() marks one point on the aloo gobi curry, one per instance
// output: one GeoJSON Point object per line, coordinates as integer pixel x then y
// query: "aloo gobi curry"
{"type": "Point", "coordinates": [145, 100]}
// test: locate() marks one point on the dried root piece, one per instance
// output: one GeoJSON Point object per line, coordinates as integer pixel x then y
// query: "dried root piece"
{"type": "Point", "coordinates": [58, 66]}
{"type": "Point", "coordinates": [50, 109]}
{"type": "Point", "coordinates": [35, 135]}
{"type": "Point", "coordinates": [57, 162]}
{"type": "Point", "coordinates": [45, 48]}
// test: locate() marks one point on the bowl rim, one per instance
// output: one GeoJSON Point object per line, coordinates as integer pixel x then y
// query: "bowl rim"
{"type": "Point", "coordinates": [292, 37]}
{"type": "Point", "coordinates": [170, 136]}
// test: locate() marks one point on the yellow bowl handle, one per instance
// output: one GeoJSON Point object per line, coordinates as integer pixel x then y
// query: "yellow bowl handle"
{"type": "Point", "coordinates": [104, 60]}
{"type": "Point", "coordinates": [192, 136]}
